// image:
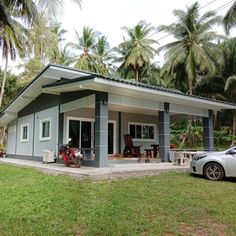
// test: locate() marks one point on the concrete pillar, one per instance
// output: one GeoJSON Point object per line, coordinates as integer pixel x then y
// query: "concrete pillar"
{"type": "Point", "coordinates": [101, 129]}
{"type": "Point", "coordinates": [60, 132]}
{"type": "Point", "coordinates": [208, 135]}
{"type": "Point", "coordinates": [164, 133]}
{"type": "Point", "coordinates": [119, 132]}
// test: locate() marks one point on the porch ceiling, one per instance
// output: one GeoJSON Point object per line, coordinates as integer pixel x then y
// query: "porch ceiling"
{"type": "Point", "coordinates": [141, 111]}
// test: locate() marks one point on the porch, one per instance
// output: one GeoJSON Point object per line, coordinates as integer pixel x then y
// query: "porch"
{"type": "Point", "coordinates": [97, 123]}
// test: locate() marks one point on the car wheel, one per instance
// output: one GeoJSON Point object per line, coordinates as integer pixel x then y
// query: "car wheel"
{"type": "Point", "coordinates": [214, 171]}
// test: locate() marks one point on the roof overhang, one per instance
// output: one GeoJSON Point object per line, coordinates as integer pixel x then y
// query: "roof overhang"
{"type": "Point", "coordinates": [50, 80]}
{"type": "Point", "coordinates": [120, 88]}
{"type": "Point", "coordinates": [47, 76]}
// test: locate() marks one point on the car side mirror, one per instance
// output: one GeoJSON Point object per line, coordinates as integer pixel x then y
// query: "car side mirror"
{"type": "Point", "coordinates": [231, 152]}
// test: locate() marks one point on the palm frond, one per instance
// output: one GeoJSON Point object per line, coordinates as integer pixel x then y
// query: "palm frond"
{"type": "Point", "coordinates": [230, 18]}
{"type": "Point", "coordinates": [230, 81]}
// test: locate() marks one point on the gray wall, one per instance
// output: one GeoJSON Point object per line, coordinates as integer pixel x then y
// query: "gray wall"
{"type": "Point", "coordinates": [25, 147]}
{"type": "Point", "coordinates": [139, 118]}
{"type": "Point", "coordinates": [11, 138]}
{"type": "Point", "coordinates": [51, 144]}
{"type": "Point", "coordinates": [42, 102]}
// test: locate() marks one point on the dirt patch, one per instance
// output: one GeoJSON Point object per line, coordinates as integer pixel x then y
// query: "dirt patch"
{"type": "Point", "coordinates": [205, 227]}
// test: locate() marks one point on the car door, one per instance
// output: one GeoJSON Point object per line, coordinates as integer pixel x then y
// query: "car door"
{"type": "Point", "coordinates": [231, 164]}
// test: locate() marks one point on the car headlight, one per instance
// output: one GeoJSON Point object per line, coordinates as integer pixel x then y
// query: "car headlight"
{"type": "Point", "coordinates": [198, 157]}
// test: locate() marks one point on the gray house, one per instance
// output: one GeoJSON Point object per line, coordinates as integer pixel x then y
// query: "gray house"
{"type": "Point", "coordinates": [96, 111]}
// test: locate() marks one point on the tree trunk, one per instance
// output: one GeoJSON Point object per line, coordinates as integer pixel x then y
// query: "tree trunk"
{"type": "Point", "coordinates": [234, 129]}
{"type": "Point", "coordinates": [4, 80]}
{"type": "Point", "coordinates": [136, 74]}
{"type": "Point", "coordinates": [190, 85]}
{"type": "Point", "coordinates": [2, 135]}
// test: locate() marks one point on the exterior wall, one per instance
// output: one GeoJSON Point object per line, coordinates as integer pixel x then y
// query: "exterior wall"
{"type": "Point", "coordinates": [42, 102]}
{"type": "Point", "coordinates": [11, 138]}
{"type": "Point", "coordinates": [25, 147]}
{"type": "Point", "coordinates": [131, 117]}
{"type": "Point", "coordinates": [51, 144]}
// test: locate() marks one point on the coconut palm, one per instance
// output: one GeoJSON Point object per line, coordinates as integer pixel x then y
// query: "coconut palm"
{"type": "Point", "coordinates": [11, 40]}
{"type": "Point", "coordinates": [230, 88]}
{"type": "Point", "coordinates": [25, 10]}
{"type": "Point", "coordinates": [191, 55]}
{"type": "Point", "coordinates": [53, 7]}
{"type": "Point", "coordinates": [102, 54]}
{"type": "Point", "coordinates": [84, 46]}
{"type": "Point", "coordinates": [66, 57]}
{"type": "Point", "coordinates": [229, 72]}
{"type": "Point", "coordinates": [28, 10]}
{"type": "Point", "coordinates": [230, 18]}
{"type": "Point", "coordinates": [137, 50]}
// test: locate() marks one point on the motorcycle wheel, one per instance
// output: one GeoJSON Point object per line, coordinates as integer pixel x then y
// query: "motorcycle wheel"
{"type": "Point", "coordinates": [78, 164]}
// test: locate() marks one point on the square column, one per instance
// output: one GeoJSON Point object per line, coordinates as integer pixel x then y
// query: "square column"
{"type": "Point", "coordinates": [208, 135]}
{"type": "Point", "coordinates": [101, 129]}
{"type": "Point", "coordinates": [164, 133]}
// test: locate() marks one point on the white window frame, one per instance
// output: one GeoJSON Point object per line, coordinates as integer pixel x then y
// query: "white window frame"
{"type": "Point", "coordinates": [143, 124]}
{"type": "Point", "coordinates": [41, 138]}
{"type": "Point", "coordinates": [21, 133]}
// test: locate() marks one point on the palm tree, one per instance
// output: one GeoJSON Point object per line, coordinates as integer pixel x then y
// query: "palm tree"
{"type": "Point", "coordinates": [85, 45]}
{"type": "Point", "coordinates": [102, 55]}
{"type": "Point", "coordinates": [136, 51]}
{"type": "Point", "coordinates": [11, 40]}
{"type": "Point", "coordinates": [10, 37]}
{"type": "Point", "coordinates": [25, 10]}
{"type": "Point", "coordinates": [191, 55]}
{"type": "Point", "coordinates": [230, 18]}
{"type": "Point", "coordinates": [229, 72]}
{"type": "Point", "coordinates": [53, 7]}
{"type": "Point", "coordinates": [66, 57]}
{"type": "Point", "coordinates": [28, 10]}
{"type": "Point", "coordinates": [230, 88]}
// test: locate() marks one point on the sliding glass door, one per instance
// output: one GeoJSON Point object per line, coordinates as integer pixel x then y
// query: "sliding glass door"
{"type": "Point", "coordinates": [82, 135]}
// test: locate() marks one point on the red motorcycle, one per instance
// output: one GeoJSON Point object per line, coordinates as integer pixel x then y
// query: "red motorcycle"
{"type": "Point", "coordinates": [70, 156]}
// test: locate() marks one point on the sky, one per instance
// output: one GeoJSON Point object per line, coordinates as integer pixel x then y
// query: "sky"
{"type": "Point", "coordinates": [109, 16]}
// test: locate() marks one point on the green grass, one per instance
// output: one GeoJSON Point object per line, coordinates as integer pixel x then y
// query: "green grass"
{"type": "Point", "coordinates": [33, 203]}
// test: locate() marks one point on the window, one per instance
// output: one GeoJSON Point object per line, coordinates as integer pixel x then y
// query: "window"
{"type": "Point", "coordinates": [143, 132]}
{"type": "Point", "coordinates": [24, 133]}
{"type": "Point", "coordinates": [45, 130]}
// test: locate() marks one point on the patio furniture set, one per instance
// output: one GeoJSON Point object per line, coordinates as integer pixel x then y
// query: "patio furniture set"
{"type": "Point", "coordinates": [134, 151]}
{"type": "Point", "coordinates": [177, 156]}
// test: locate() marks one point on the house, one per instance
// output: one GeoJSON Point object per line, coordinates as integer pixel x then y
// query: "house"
{"type": "Point", "coordinates": [96, 111]}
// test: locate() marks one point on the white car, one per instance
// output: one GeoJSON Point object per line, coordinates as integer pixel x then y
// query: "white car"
{"type": "Point", "coordinates": [215, 165]}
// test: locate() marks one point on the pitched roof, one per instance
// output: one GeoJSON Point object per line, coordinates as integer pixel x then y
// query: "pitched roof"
{"type": "Point", "coordinates": [55, 76]}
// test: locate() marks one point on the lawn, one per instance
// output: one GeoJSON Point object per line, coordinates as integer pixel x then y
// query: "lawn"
{"type": "Point", "coordinates": [34, 203]}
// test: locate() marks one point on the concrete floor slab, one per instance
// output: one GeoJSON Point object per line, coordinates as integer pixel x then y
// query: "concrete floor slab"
{"type": "Point", "coordinates": [111, 172]}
